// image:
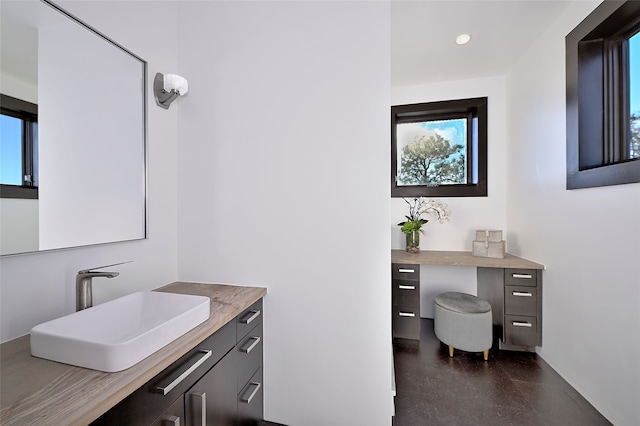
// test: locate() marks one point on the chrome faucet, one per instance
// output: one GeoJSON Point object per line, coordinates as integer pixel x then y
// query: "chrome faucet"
{"type": "Point", "coordinates": [84, 294]}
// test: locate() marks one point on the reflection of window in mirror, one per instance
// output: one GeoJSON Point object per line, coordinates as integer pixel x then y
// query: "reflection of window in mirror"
{"type": "Point", "coordinates": [634, 96]}
{"type": "Point", "coordinates": [18, 148]}
{"type": "Point", "coordinates": [603, 97]}
{"type": "Point", "coordinates": [439, 149]}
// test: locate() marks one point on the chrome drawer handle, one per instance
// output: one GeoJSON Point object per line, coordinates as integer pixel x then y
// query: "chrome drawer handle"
{"type": "Point", "coordinates": [406, 314]}
{"type": "Point", "coordinates": [521, 294]}
{"type": "Point", "coordinates": [171, 421]}
{"type": "Point", "coordinates": [255, 391]}
{"type": "Point", "coordinates": [527, 276]}
{"type": "Point", "coordinates": [247, 320]}
{"type": "Point", "coordinates": [410, 271]}
{"type": "Point", "coordinates": [166, 389]}
{"type": "Point", "coordinates": [256, 340]}
{"type": "Point", "coordinates": [407, 287]}
{"type": "Point", "coordinates": [521, 324]}
{"type": "Point", "coordinates": [199, 408]}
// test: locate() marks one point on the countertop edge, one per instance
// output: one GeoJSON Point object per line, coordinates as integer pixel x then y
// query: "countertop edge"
{"type": "Point", "coordinates": [63, 390]}
{"type": "Point", "coordinates": [462, 258]}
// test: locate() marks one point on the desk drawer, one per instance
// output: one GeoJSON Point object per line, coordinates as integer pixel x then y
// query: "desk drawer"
{"type": "Point", "coordinates": [406, 322]}
{"type": "Point", "coordinates": [526, 277]}
{"type": "Point", "coordinates": [405, 271]}
{"type": "Point", "coordinates": [406, 293]}
{"type": "Point", "coordinates": [520, 330]}
{"type": "Point", "coordinates": [520, 300]}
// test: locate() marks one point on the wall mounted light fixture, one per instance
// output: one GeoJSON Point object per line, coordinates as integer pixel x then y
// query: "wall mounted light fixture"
{"type": "Point", "coordinates": [167, 88]}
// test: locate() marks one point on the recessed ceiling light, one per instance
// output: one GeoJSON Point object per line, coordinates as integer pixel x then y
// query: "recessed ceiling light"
{"type": "Point", "coordinates": [463, 39]}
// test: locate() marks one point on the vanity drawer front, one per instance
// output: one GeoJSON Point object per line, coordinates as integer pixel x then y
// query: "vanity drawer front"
{"type": "Point", "coordinates": [520, 330]}
{"type": "Point", "coordinates": [520, 300]}
{"type": "Point", "coordinates": [406, 293]}
{"type": "Point", "coordinates": [249, 319]}
{"type": "Point", "coordinates": [250, 401]}
{"type": "Point", "coordinates": [174, 415]}
{"type": "Point", "coordinates": [249, 355]}
{"type": "Point", "coordinates": [526, 277]}
{"type": "Point", "coordinates": [405, 271]}
{"type": "Point", "coordinates": [406, 322]}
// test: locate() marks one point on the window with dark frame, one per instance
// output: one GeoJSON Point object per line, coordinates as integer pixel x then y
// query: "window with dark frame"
{"type": "Point", "coordinates": [603, 97]}
{"type": "Point", "coordinates": [19, 148]}
{"type": "Point", "coordinates": [439, 149]}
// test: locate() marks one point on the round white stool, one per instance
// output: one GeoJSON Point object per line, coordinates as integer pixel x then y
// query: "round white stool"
{"type": "Point", "coordinates": [464, 322]}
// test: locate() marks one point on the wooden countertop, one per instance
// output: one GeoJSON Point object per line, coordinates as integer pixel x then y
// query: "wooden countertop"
{"type": "Point", "coordinates": [36, 391]}
{"type": "Point", "coordinates": [462, 258]}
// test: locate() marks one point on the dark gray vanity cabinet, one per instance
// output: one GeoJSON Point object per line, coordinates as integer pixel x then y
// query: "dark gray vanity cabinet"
{"type": "Point", "coordinates": [211, 401]}
{"type": "Point", "coordinates": [219, 382]}
{"type": "Point", "coordinates": [405, 281]}
{"type": "Point", "coordinates": [249, 357]}
{"type": "Point", "coordinates": [231, 392]}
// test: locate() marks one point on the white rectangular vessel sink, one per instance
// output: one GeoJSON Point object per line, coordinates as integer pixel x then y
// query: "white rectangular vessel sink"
{"type": "Point", "coordinates": [117, 334]}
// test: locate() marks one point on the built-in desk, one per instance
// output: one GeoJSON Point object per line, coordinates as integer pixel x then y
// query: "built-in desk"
{"type": "Point", "coordinates": [512, 285]}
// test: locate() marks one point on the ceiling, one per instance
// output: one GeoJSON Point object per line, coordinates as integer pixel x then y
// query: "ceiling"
{"type": "Point", "coordinates": [423, 32]}
{"type": "Point", "coordinates": [423, 49]}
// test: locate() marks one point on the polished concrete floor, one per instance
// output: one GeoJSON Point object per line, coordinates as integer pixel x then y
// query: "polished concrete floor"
{"type": "Point", "coordinates": [512, 388]}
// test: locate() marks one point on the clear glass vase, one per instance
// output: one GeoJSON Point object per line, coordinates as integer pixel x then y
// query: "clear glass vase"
{"type": "Point", "coordinates": [413, 241]}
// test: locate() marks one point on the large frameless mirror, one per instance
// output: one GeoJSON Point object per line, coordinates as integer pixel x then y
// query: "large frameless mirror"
{"type": "Point", "coordinates": [73, 133]}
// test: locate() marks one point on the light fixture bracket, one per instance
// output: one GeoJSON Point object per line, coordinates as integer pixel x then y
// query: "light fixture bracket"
{"type": "Point", "coordinates": [165, 97]}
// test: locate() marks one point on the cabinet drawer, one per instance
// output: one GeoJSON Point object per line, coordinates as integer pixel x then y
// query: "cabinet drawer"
{"type": "Point", "coordinates": [173, 416]}
{"type": "Point", "coordinates": [520, 330]}
{"type": "Point", "coordinates": [526, 277]}
{"type": "Point", "coordinates": [406, 322]}
{"type": "Point", "coordinates": [520, 300]}
{"type": "Point", "coordinates": [249, 355]}
{"type": "Point", "coordinates": [248, 319]}
{"type": "Point", "coordinates": [405, 271]}
{"type": "Point", "coordinates": [406, 293]}
{"type": "Point", "coordinates": [250, 405]}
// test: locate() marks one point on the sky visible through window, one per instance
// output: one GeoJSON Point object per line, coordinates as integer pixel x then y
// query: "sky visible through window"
{"type": "Point", "coordinates": [10, 150]}
{"type": "Point", "coordinates": [634, 72]}
{"type": "Point", "coordinates": [455, 131]}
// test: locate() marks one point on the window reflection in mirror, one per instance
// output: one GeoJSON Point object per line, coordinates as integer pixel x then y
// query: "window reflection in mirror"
{"type": "Point", "coordinates": [18, 144]}
{"type": "Point", "coordinates": [634, 95]}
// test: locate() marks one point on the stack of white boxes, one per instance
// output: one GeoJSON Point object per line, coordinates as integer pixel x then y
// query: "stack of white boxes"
{"type": "Point", "coordinates": [488, 244]}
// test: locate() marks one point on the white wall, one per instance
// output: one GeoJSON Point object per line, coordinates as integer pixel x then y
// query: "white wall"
{"type": "Point", "coordinates": [17, 88]}
{"type": "Point", "coordinates": [589, 239]}
{"type": "Point", "coordinates": [18, 225]}
{"type": "Point", "coordinates": [40, 286]}
{"type": "Point", "coordinates": [467, 214]}
{"type": "Point", "coordinates": [283, 169]}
